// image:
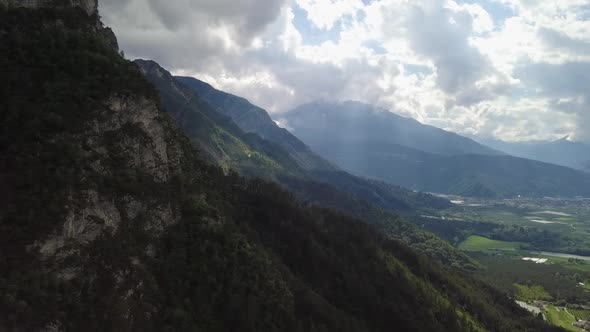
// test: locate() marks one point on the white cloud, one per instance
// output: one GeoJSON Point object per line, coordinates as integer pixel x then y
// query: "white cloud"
{"type": "Point", "coordinates": [447, 63]}
{"type": "Point", "coordinates": [325, 13]}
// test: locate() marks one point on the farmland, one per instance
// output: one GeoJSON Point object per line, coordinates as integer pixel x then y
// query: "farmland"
{"type": "Point", "coordinates": [480, 243]}
{"type": "Point", "coordinates": [534, 250]}
{"type": "Point", "coordinates": [560, 317]}
{"type": "Point", "coordinates": [580, 314]}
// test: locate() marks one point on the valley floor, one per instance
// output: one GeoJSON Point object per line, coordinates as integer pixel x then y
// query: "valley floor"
{"type": "Point", "coordinates": [537, 251]}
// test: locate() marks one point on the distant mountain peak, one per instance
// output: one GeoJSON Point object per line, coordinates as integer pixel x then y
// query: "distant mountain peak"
{"type": "Point", "coordinates": [368, 122]}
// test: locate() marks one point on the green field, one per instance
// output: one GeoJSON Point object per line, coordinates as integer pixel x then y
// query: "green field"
{"type": "Point", "coordinates": [560, 317]}
{"type": "Point", "coordinates": [531, 293]}
{"type": "Point", "coordinates": [480, 243]}
{"type": "Point", "coordinates": [580, 314]}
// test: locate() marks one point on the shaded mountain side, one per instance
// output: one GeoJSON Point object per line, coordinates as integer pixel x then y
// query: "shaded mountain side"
{"type": "Point", "coordinates": [464, 174]}
{"type": "Point", "coordinates": [216, 135]}
{"type": "Point", "coordinates": [363, 122]}
{"type": "Point", "coordinates": [561, 152]}
{"type": "Point", "coordinates": [110, 221]}
{"type": "Point", "coordinates": [254, 119]}
{"type": "Point", "coordinates": [467, 175]}
{"type": "Point", "coordinates": [201, 123]}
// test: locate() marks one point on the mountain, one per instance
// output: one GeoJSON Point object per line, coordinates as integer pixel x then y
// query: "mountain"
{"type": "Point", "coordinates": [226, 145]}
{"type": "Point", "coordinates": [560, 152]}
{"type": "Point", "coordinates": [111, 221]}
{"type": "Point", "coordinates": [253, 119]}
{"type": "Point", "coordinates": [364, 122]}
{"type": "Point", "coordinates": [356, 138]}
{"type": "Point", "coordinates": [216, 136]}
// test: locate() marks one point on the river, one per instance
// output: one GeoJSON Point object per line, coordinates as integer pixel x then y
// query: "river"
{"type": "Point", "coordinates": [557, 254]}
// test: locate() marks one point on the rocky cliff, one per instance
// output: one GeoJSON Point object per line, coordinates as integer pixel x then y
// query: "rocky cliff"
{"type": "Point", "coordinates": [90, 164]}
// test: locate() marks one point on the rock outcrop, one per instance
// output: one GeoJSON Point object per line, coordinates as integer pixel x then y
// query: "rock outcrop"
{"type": "Point", "coordinates": [133, 131]}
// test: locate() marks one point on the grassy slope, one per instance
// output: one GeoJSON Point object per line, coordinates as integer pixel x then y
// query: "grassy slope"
{"type": "Point", "coordinates": [531, 293]}
{"type": "Point", "coordinates": [480, 243]}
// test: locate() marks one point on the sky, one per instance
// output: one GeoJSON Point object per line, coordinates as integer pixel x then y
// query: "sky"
{"type": "Point", "coordinates": [515, 70]}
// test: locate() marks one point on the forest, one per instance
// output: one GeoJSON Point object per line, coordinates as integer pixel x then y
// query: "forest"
{"type": "Point", "coordinates": [234, 254]}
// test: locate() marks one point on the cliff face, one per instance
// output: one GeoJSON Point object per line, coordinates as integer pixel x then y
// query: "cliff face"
{"type": "Point", "coordinates": [90, 6]}
{"type": "Point", "coordinates": [90, 164]}
{"type": "Point", "coordinates": [129, 132]}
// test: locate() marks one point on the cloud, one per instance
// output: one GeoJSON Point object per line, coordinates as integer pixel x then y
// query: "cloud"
{"type": "Point", "coordinates": [567, 86]}
{"type": "Point", "coordinates": [442, 35]}
{"type": "Point", "coordinates": [512, 69]}
{"type": "Point", "coordinates": [187, 33]}
{"type": "Point", "coordinates": [554, 39]}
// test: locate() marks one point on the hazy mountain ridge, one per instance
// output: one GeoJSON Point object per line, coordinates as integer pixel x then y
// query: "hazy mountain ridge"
{"type": "Point", "coordinates": [362, 122]}
{"type": "Point", "coordinates": [560, 152]}
{"type": "Point", "coordinates": [386, 196]}
{"type": "Point", "coordinates": [356, 146]}
{"type": "Point", "coordinates": [329, 188]}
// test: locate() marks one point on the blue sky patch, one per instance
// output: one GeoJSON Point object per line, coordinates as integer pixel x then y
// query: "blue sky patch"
{"type": "Point", "coordinates": [497, 11]}
{"type": "Point", "coordinates": [311, 34]}
{"type": "Point", "coordinates": [376, 46]}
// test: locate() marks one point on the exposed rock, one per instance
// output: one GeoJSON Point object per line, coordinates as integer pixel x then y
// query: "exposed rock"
{"type": "Point", "coordinates": [108, 34]}
{"type": "Point", "coordinates": [130, 129]}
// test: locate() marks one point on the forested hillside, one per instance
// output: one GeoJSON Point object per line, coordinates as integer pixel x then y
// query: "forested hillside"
{"type": "Point", "coordinates": [111, 221]}
{"type": "Point", "coordinates": [226, 145]}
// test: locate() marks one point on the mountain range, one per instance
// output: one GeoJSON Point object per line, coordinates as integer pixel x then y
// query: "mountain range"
{"type": "Point", "coordinates": [120, 210]}
{"type": "Point", "coordinates": [562, 152]}
{"type": "Point", "coordinates": [379, 144]}
{"type": "Point", "coordinates": [285, 160]}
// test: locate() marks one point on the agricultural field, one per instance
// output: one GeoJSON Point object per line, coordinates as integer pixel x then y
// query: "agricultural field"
{"type": "Point", "coordinates": [480, 243]}
{"type": "Point", "coordinates": [580, 314]}
{"type": "Point", "coordinates": [534, 250]}
{"type": "Point", "coordinates": [560, 317]}
{"type": "Point", "coordinates": [529, 281]}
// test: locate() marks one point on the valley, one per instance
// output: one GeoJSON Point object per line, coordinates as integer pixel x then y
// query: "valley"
{"type": "Point", "coordinates": [136, 200]}
{"type": "Point", "coordinates": [535, 250]}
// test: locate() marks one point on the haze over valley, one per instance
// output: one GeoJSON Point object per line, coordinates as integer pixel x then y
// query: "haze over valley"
{"type": "Point", "coordinates": [300, 166]}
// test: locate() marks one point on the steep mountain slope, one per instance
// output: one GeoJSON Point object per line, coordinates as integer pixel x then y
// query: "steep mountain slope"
{"type": "Point", "coordinates": [253, 119]}
{"type": "Point", "coordinates": [202, 125]}
{"type": "Point", "coordinates": [278, 143]}
{"type": "Point", "coordinates": [216, 135]}
{"type": "Point", "coordinates": [362, 122]}
{"type": "Point", "coordinates": [110, 221]}
{"type": "Point", "coordinates": [352, 142]}
{"type": "Point", "coordinates": [561, 152]}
